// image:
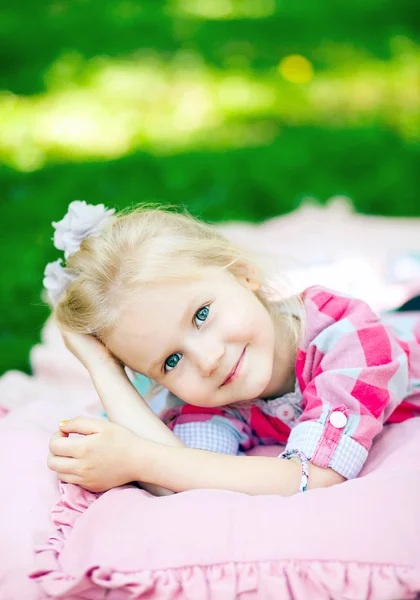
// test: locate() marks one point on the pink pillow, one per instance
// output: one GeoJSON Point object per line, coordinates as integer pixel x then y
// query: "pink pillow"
{"type": "Point", "coordinates": [360, 539]}
{"type": "Point", "coordinates": [28, 489]}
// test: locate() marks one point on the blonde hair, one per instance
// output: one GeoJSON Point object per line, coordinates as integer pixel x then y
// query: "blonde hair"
{"type": "Point", "coordinates": [144, 245]}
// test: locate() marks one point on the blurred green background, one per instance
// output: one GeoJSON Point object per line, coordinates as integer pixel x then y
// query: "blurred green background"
{"type": "Point", "coordinates": [237, 109]}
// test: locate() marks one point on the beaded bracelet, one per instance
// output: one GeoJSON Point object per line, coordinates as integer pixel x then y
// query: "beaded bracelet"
{"type": "Point", "coordinates": [305, 475]}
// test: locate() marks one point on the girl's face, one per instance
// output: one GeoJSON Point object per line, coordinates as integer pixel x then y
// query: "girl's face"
{"type": "Point", "coordinates": [210, 341]}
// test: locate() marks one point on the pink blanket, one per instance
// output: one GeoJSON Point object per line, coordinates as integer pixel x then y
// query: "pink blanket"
{"type": "Point", "coordinates": [382, 267]}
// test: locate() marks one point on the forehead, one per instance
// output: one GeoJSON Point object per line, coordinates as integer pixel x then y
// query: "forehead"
{"type": "Point", "coordinates": [150, 323]}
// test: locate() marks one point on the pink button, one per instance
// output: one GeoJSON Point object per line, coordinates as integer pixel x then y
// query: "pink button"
{"type": "Point", "coordinates": [338, 419]}
{"type": "Point", "coordinates": [285, 412]}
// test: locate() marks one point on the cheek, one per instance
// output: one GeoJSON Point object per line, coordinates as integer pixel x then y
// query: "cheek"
{"type": "Point", "coordinates": [190, 388]}
{"type": "Point", "coordinates": [260, 327]}
{"type": "Point", "coordinates": [268, 329]}
{"type": "Point", "coordinates": [241, 322]}
{"type": "Point", "coordinates": [195, 397]}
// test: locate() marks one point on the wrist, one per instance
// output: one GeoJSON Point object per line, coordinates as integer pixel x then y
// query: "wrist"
{"type": "Point", "coordinates": [142, 460]}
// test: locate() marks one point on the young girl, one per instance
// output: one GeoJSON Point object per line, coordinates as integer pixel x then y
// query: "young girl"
{"type": "Point", "coordinates": [170, 298]}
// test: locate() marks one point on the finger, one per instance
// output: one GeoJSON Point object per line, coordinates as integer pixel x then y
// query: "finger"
{"type": "Point", "coordinates": [62, 445]}
{"type": "Point", "coordinates": [66, 478]}
{"type": "Point", "coordinates": [58, 435]}
{"type": "Point", "coordinates": [82, 425]}
{"type": "Point", "coordinates": [62, 464]}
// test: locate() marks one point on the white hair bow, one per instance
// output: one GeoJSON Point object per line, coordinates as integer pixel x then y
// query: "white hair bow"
{"type": "Point", "coordinates": [81, 221]}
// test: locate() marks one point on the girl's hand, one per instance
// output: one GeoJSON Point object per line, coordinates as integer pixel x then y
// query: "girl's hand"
{"type": "Point", "coordinates": [88, 349]}
{"type": "Point", "coordinates": [102, 457]}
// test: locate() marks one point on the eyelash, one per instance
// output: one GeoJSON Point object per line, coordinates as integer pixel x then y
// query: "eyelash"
{"type": "Point", "coordinates": [198, 327]}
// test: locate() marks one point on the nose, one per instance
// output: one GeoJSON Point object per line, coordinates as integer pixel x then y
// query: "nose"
{"type": "Point", "coordinates": [206, 353]}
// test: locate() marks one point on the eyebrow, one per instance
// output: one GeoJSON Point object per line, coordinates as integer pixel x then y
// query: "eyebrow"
{"type": "Point", "coordinates": [185, 317]}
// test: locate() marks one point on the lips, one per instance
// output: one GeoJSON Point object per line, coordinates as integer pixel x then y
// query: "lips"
{"type": "Point", "coordinates": [235, 370]}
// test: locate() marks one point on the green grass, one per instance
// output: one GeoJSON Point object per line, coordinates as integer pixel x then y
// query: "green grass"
{"type": "Point", "coordinates": [256, 149]}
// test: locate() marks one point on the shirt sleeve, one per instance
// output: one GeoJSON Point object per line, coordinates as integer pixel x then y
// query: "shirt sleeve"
{"type": "Point", "coordinates": [208, 429]}
{"type": "Point", "coordinates": [353, 373]}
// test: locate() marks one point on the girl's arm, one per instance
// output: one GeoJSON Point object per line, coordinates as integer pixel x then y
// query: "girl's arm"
{"type": "Point", "coordinates": [126, 407]}
{"type": "Point", "coordinates": [106, 455]}
{"type": "Point", "coordinates": [122, 403]}
{"type": "Point", "coordinates": [181, 469]}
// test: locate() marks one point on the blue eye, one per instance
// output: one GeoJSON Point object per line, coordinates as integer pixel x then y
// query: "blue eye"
{"type": "Point", "coordinates": [172, 361]}
{"type": "Point", "coordinates": [201, 315]}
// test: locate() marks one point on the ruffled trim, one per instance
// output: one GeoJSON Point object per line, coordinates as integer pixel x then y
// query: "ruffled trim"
{"type": "Point", "coordinates": [283, 579]}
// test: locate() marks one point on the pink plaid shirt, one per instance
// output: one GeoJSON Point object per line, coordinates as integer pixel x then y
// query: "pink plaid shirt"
{"type": "Point", "coordinates": [355, 371]}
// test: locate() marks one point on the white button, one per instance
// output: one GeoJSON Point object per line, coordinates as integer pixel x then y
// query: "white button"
{"type": "Point", "coordinates": [285, 412]}
{"type": "Point", "coordinates": [338, 419]}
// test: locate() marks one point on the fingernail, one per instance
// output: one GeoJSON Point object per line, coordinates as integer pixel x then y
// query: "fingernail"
{"type": "Point", "coordinates": [62, 423]}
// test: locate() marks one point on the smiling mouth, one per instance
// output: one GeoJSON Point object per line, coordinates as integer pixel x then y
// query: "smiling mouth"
{"type": "Point", "coordinates": [235, 371]}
